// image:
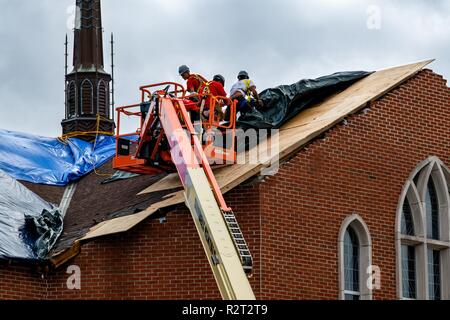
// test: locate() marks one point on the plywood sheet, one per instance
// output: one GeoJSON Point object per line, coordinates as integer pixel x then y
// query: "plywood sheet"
{"type": "Point", "coordinates": [124, 224]}
{"type": "Point", "coordinates": [169, 182]}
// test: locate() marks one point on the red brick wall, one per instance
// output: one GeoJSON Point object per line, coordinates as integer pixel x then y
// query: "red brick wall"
{"type": "Point", "coordinates": [153, 261]}
{"type": "Point", "coordinates": [291, 220]}
{"type": "Point", "coordinates": [19, 281]}
{"type": "Point", "coordinates": [360, 168]}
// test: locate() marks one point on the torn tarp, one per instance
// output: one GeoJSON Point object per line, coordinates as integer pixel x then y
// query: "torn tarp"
{"type": "Point", "coordinates": [284, 102]}
{"type": "Point", "coordinates": [43, 160]}
{"type": "Point", "coordinates": [120, 175]}
{"type": "Point", "coordinates": [29, 226]}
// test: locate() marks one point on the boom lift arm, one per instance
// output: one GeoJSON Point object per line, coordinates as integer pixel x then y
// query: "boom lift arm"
{"type": "Point", "coordinates": [222, 239]}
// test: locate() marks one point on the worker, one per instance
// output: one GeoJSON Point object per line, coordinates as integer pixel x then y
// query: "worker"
{"type": "Point", "coordinates": [214, 88]}
{"type": "Point", "coordinates": [194, 81]}
{"type": "Point", "coordinates": [244, 91]}
{"type": "Point", "coordinates": [193, 84]}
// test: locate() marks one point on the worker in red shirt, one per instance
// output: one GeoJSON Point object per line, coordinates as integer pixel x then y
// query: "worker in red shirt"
{"type": "Point", "coordinates": [194, 81]}
{"type": "Point", "coordinates": [213, 88]}
{"type": "Point", "coordinates": [193, 84]}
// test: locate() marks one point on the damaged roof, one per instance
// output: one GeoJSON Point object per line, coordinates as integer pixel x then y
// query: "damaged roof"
{"type": "Point", "coordinates": [98, 209]}
{"type": "Point", "coordinates": [94, 202]}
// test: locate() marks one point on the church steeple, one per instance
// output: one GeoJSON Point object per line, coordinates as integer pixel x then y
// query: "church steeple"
{"type": "Point", "coordinates": [88, 48]}
{"type": "Point", "coordinates": [87, 86]}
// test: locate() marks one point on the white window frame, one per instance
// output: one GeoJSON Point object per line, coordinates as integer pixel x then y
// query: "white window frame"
{"type": "Point", "coordinates": [365, 256]}
{"type": "Point", "coordinates": [433, 168]}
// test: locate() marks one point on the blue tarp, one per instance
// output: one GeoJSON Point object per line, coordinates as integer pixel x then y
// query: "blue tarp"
{"type": "Point", "coordinates": [49, 161]}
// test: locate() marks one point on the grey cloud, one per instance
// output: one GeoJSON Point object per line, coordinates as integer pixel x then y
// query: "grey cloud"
{"type": "Point", "coordinates": [278, 42]}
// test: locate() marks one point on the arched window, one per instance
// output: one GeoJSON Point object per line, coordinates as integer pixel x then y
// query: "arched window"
{"type": "Point", "coordinates": [102, 99]}
{"type": "Point", "coordinates": [351, 265]}
{"type": "Point", "coordinates": [87, 97]}
{"type": "Point", "coordinates": [432, 211]}
{"type": "Point", "coordinates": [71, 99]}
{"type": "Point", "coordinates": [355, 257]}
{"type": "Point", "coordinates": [423, 238]}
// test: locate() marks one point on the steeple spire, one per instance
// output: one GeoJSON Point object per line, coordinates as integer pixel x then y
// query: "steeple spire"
{"type": "Point", "coordinates": [87, 86]}
{"type": "Point", "coordinates": [88, 46]}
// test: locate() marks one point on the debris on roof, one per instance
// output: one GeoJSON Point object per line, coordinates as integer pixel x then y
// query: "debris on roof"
{"type": "Point", "coordinates": [94, 202]}
{"type": "Point", "coordinates": [29, 226]}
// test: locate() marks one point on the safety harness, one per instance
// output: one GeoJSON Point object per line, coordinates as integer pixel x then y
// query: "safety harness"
{"type": "Point", "coordinates": [247, 83]}
{"type": "Point", "coordinates": [205, 92]}
{"type": "Point", "coordinates": [200, 79]}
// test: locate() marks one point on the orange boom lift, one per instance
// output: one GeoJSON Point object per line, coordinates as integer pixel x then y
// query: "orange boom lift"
{"type": "Point", "coordinates": [168, 141]}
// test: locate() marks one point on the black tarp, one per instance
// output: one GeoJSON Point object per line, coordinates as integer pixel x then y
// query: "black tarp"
{"type": "Point", "coordinates": [286, 101]}
{"type": "Point", "coordinates": [29, 226]}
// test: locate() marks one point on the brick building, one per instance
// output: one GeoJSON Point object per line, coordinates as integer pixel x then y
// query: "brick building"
{"type": "Point", "coordinates": [369, 188]}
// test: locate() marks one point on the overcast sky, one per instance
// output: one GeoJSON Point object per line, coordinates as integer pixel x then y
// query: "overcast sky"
{"type": "Point", "coordinates": [277, 41]}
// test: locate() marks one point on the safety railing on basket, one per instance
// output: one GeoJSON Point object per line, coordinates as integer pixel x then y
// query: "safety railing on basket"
{"type": "Point", "coordinates": [210, 107]}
